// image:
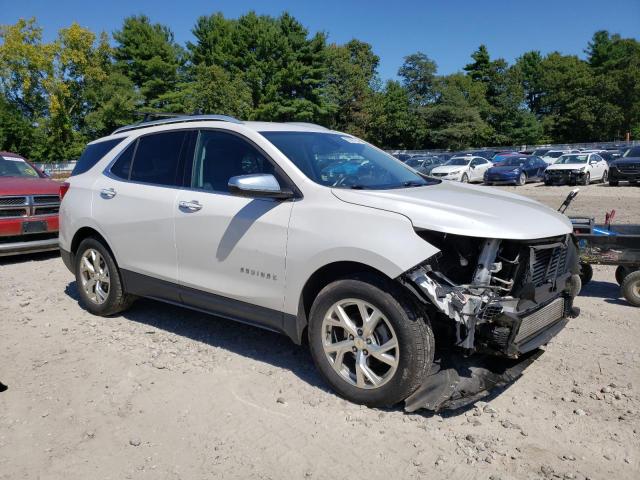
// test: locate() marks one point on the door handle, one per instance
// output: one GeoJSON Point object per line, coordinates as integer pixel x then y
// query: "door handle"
{"type": "Point", "coordinates": [192, 206]}
{"type": "Point", "coordinates": [107, 193]}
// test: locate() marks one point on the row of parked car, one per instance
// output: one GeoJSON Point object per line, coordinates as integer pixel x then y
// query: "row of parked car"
{"type": "Point", "coordinates": [553, 167]}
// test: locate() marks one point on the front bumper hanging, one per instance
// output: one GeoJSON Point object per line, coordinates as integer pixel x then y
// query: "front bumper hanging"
{"type": "Point", "coordinates": [456, 381]}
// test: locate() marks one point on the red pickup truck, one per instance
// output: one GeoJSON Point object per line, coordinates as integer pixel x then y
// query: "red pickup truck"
{"type": "Point", "coordinates": [29, 203]}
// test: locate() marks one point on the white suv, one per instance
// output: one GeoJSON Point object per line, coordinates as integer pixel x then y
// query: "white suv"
{"type": "Point", "coordinates": [318, 235]}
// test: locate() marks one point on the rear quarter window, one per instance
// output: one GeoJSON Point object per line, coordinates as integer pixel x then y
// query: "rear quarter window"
{"type": "Point", "coordinates": [93, 154]}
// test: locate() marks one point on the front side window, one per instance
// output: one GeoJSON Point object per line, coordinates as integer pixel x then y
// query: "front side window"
{"type": "Point", "coordinates": [157, 158]}
{"type": "Point", "coordinates": [341, 161]}
{"type": "Point", "coordinates": [16, 167]}
{"type": "Point", "coordinates": [221, 155]}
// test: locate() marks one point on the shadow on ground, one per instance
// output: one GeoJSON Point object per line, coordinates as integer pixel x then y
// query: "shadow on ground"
{"type": "Point", "coordinates": [28, 257]}
{"type": "Point", "coordinates": [246, 340]}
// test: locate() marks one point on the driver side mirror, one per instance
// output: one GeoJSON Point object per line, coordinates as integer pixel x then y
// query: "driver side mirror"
{"type": "Point", "coordinates": [259, 185]}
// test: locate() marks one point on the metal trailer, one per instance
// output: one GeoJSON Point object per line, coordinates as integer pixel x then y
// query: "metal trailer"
{"type": "Point", "coordinates": [608, 244]}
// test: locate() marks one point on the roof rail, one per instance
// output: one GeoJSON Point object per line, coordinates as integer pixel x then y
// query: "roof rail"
{"type": "Point", "coordinates": [307, 124]}
{"type": "Point", "coordinates": [178, 119]}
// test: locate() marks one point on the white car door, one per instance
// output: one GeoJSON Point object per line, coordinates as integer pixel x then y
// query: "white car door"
{"type": "Point", "coordinates": [231, 250]}
{"type": "Point", "coordinates": [477, 168]}
{"type": "Point", "coordinates": [134, 203]}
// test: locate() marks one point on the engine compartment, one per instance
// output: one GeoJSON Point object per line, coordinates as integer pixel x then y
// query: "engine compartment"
{"type": "Point", "coordinates": [494, 296]}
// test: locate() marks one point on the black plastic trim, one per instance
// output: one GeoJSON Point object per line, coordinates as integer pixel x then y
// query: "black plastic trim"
{"type": "Point", "coordinates": [210, 303]}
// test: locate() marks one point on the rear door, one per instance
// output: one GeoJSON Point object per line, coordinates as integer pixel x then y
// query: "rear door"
{"type": "Point", "coordinates": [135, 203]}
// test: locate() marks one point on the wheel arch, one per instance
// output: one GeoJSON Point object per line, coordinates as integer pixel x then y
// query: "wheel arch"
{"type": "Point", "coordinates": [86, 232]}
{"type": "Point", "coordinates": [322, 277]}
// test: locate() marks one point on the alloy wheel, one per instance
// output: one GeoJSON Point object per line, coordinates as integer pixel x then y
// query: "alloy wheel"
{"type": "Point", "coordinates": [94, 276]}
{"type": "Point", "coordinates": [360, 343]}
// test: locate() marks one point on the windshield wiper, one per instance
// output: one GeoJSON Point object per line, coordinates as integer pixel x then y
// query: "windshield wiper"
{"type": "Point", "coordinates": [413, 183]}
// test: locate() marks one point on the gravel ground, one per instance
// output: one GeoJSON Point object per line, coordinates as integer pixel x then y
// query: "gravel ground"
{"type": "Point", "coordinates": [165, 393]}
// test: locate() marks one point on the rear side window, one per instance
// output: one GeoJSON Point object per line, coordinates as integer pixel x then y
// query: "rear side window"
{"type": "Point", "coordinates": [93, 154]}
{"type": "Point", "coordinates": [157, 158]}
{"type": "Point", "coordinates": [122, 167]}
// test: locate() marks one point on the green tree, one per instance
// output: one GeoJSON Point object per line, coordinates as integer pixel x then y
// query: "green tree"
{"type": "Point", "coordinates": [454, 119]}
{"type": "Point", "coordinates": [391, 121]}
{"type": "Point", "coordinates": [351, 78]}
{"type": "Point", "coordinates": [418, 74]}
{"type": "Point", "coordinates": [147, 53]}
{"type": "Point", "coordinates": [282, 66]}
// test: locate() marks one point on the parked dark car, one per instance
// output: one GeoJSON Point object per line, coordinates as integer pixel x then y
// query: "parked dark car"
{"type": "Point", "coordinates": [516, 169]}
{"type": "Point", "coordinates": [539, 152]}
{"type": "Point", "coordinates": [626, 168]}
{"type": "Point", "coordinates": [424, 164]}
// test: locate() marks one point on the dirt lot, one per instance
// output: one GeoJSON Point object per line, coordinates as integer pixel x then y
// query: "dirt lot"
{"type": "Point", "coordinates": [164, 393]}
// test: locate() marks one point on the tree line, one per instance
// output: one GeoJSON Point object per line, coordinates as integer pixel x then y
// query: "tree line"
{"type": "Point", "coordinates": [58, 95]}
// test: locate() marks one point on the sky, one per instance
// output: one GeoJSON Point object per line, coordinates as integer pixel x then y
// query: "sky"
{"type": "Point", "coordinates": [447, 31]}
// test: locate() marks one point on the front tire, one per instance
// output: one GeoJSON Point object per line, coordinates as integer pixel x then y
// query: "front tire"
{"type": "Point", "coordinates": [605, 176]}
{"type": "Point", "coordinates": [98, 279]}
{"type": "Point", "coordinates": [613, 183]}
{"type": "Point", "coordinates": [587, 179]}
{"type": "Point", "coordinates": [522, 179]}
{"type": "Point", "coordinates": [465, 178]}
{"type": "Point", "coordinates": [369, 341]}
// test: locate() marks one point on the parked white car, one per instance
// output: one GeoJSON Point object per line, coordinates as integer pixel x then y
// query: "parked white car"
{"type": "Point", "coordinates": [323, 237]}
{"type": "Point", "coordinates": [553, 155]}
{"type": "Point", "coordinates": [463, 169]}
{"type": "Point", "coordinates": [574, 168]}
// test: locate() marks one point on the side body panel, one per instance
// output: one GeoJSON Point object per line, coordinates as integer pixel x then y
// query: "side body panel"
{"type": "Point", "coordinates": [233, 246]}
{"type": "Point", "coordinates": [325, 230]}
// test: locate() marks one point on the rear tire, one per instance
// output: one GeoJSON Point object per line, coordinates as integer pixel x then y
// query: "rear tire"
{"type": "Point", "coordinates": [631, 288]}
{"type": "Point", "coordinates": [412, 357]}
{"type": "Point", "coordinates": [586, 273]}
{"type": "Point", "coordinates": [98, 279]}
{"type": "Point", "coordinates": [522, 179]}
{"type": "Point", "coordinates": [621, 273]}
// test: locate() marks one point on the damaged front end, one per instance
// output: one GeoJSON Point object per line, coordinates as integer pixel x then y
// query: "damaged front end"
{"type": "Point", "coordinates": [492, 304]}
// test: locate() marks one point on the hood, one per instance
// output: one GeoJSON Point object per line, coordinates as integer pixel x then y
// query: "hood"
{"type": "Point", "coordinates": [566, 166]}
{"type": "Point", "coordinates": [28, 186]}
{"type": "Point", "coordinates": [448, 168]}
{"type": "Point", "coordinates": [626, 161]}
{"type": "Point", "coordinates": [463, 209]}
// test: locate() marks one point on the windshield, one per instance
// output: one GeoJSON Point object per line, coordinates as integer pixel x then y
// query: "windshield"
{"type": "Point", "coordinates": [501, 158]}
{"type": "Point", "coordinates": [16, 167]}
{"type": "Point", "coordinates": [458, 161]}
{"type": "Point", "coordinates": [416, 162]}
{"type": "Point", "coordinates": [554, 154]}
{"type": "Point", "coordinates": [341, 161]}
{"type": "Point", "coordinates": [565, 159]}
{"type": "Point", "coordinates": [514, 162]}
{"type": "Point", "coordinates": [632, 152]}
{"type": "Point", "coordinates": [539, 152]}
